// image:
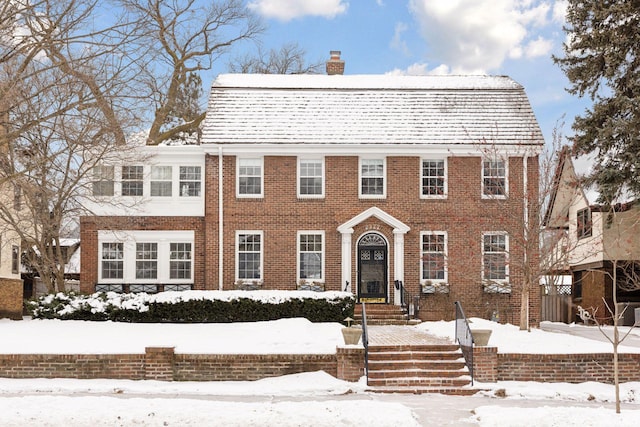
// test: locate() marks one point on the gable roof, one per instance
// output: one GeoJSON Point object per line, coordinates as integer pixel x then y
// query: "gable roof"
{"type": "Point", "coordinates": [368, 109]}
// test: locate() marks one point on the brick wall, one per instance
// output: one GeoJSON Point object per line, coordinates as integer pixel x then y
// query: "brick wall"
{"type": "Point", "coordinates": [243, 367]}
{"type": "Point", "coordinates": [490, 366]}
{"type": "Point", "coordinates": [11, 298]}
{"type": "Point", "coordinates": [161, 363]}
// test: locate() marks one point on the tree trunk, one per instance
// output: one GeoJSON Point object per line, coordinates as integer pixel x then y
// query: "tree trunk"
{"type": "Point", "coordinates": [524, 309]}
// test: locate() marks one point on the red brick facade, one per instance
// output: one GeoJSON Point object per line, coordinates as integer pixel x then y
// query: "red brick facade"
{"type": "Point", "coordinates": [464, 215]}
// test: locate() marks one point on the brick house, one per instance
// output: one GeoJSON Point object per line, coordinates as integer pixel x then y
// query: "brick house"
{"type": "Point", "coordinates": [594, 236]}
{"type": "Point", "coordinates": [331, 182]}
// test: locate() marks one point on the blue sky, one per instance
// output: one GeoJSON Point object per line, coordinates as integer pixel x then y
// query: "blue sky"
{"type": "Point", "coordinates": [504, 37]}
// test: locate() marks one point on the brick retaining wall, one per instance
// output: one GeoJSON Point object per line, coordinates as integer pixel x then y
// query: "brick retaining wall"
{"type": "Point", "coordinates": [491, 366]}
{"type": "Point", "coordinates": [161, 363]}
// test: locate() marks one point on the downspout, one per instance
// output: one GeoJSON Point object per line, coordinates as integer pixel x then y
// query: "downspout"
{"type": "Point", "coordinates": [220, 222]}
{"type": "Point", "coordinates": [525, 182]}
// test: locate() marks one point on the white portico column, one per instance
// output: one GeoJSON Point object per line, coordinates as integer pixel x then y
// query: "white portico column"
{"type": "Point", "coordinates": [346, 259]}
{"type": "Point", "coordinates": [398, 260]}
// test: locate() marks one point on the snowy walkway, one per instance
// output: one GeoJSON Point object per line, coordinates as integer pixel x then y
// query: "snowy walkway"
{"type": "Point", "coordinates": [402, 335]}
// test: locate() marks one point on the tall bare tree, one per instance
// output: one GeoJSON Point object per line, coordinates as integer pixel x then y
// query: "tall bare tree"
{"type": "Point", "coordinates": [73, 87]}
{"type": "Point", "coordinates": [180, 39]}
{"type": "Point", "coordinates": [289, 59]}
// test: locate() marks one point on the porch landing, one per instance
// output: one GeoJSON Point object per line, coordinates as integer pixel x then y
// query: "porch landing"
{"type": "Point", "coordinates": [381, 335]}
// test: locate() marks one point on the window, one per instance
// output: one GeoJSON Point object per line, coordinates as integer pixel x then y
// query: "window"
{"type": "Point", "coordinates": [190, 178]}
{"type": "Point", "coordinates": [310, 256]}
{"type": "Point", "coordinates": [433, 178]}
{"type": "Point", "coordinates": [583, 228]}
{"type": "Point", "coordinates": [132, 180]}
{"type": "Point", "coordinates": [494, 178]}
{"type": "Point", "coordinates": [17, 197]}
{"type": "Point", "coordinates": [180, 261]}
{"type": "Point", "coordinates": [310, 178]}
{"type": "Point", "coordinates": [249, 178]}
{"type": "Point", "coordinates": [434, 255]}
{"type": "Point", "coordinates": [249, 255]}
{"type": "Point", "coordinates": [146, 257]}
{"type": "Point", "coordinates": [112, 260]}
{"type": "Point", "coordinates": [15, 259]}
{"type": "Point", "coordinates": [372, 178]}
{"type": "Point", "coordinates": [103, 180]}
{"type": "Point", "coordinates": [494, 257]}
{"type": "Point", "coordinates": [161, 181]}
{"type": "Point", "coordinates": [146, 260]}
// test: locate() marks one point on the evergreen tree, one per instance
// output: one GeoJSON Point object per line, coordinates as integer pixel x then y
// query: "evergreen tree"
{"type": "Point", "coordinates": [601, 60]}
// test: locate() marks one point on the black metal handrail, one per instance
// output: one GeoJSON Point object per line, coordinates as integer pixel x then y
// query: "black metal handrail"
{"type": "Point", "coordinates": [411, 304]}
{"type": "Point", "coordinates": [365, 341]}
{"type": "Point", "coordinates": [464, 337]}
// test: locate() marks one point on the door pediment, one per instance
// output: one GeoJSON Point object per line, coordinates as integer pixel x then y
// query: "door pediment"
{"type": "Point", "coordinates": [398, 226]}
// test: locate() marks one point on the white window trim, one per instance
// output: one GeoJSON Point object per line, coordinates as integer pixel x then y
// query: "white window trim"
{"type": "Point", "coordinates": [446, 256]}
{"type": "Point", "coordinates": [250, 196]}
{"type": "Point", "coordinates": [322, 176]}
{"type": "Point", "coordinates": [322, 255]}
{"type": "Point", "coordinates": [384, 179]}
{"type": "Point", "coordinates": [446, 178]}
{"type": "Point", "coordinates": [172, 180]}
{"type": "Point", "coordinates": [237, 254]}
{"type": "Point", "coordinates": [129, 238]}
{"type": "Point", "coordinates": [506, 177]}
{"type": "Point", "coordinates": [506, 259]}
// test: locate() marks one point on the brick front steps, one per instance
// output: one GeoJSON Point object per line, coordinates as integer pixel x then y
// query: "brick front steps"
{"type": "Point", "coordinates": [384, 314]}
{"type": "Point", "coordinates": [418, 369]}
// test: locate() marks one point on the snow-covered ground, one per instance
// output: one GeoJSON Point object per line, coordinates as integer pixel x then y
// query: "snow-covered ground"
{"type": "Point", "coordinates": [309, 399]}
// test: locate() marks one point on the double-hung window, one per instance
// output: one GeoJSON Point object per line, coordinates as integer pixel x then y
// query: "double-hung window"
{"type": "Point", "coordinates": [249, 255]}
{"type": "Point", "coordinates": [132, 180]}
{"type": "Point", "coordinates": [180, 261]}
{"type": "Point", "coordinates": [310, 255]}
{"type": "Point", "coordinates": [161, 181]}
{"type": "Point", "coordinates": [494, 178]}
{"type": "Point", "coordinates": [434, 256]}
{"type": "Point", "coordinates": [102, 180]}
{"type": "Point", "coordinates": [146, 260]}
{"type": "Point", "coordinates": [249, 177]}
{"type": "Point", "coordinates": [433, 179]}
{"type": "Point", "coordinates": [190, 181]}
{"type": "Point", "coordinates": [372, 178]}
{"type": "Point", "coordinates": [583, 223]}
{"type": "Point", "coordinates": [495, 266]}
{"type": "Point", "coordinates": [310, 178]}
{"type": "Point", "coordinates": [112, 260]}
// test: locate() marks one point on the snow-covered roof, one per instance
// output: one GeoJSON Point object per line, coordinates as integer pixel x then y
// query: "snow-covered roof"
{"type": "Point", "coordinates": [368, 109]}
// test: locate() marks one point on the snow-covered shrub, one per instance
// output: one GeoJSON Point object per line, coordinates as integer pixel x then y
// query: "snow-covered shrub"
{"type": "Point", "coordinates": [196, 306]}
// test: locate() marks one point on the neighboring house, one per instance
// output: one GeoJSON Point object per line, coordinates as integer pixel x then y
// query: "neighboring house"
{"type": "Point", "coordinates": [33, 285]}
{"type": "Point", "coordinates": [334, 182]}
{"type": "Point", "coordinates": [595, 236]}
{"type": "Point", "coordinates": [10, 282]}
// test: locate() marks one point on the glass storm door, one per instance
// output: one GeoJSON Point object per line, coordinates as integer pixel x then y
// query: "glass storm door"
{"type": "Point", "coordinates": [372, 269]}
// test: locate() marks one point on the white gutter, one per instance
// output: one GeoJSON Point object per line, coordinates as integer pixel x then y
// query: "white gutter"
{"type": "Point", "coordinates": [220, 222]}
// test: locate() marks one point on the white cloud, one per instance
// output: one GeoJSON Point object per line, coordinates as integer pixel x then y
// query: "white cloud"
{"type": "Point", "coordinates": [560, 11]}
{"type": "Point", "coordinates": [538, 47]}
{"type": "Point", "coordinates": [397, 42]}
{"type": "Point", "coordinates": [286, 10]}
{"type": "Point", "coordinates": [478, 35]}
{"type": "Point", "coordinates": [421, 69]}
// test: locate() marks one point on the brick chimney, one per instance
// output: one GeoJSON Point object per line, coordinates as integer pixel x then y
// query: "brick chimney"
{"type": "Point", "coordinates": [335, 65]}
